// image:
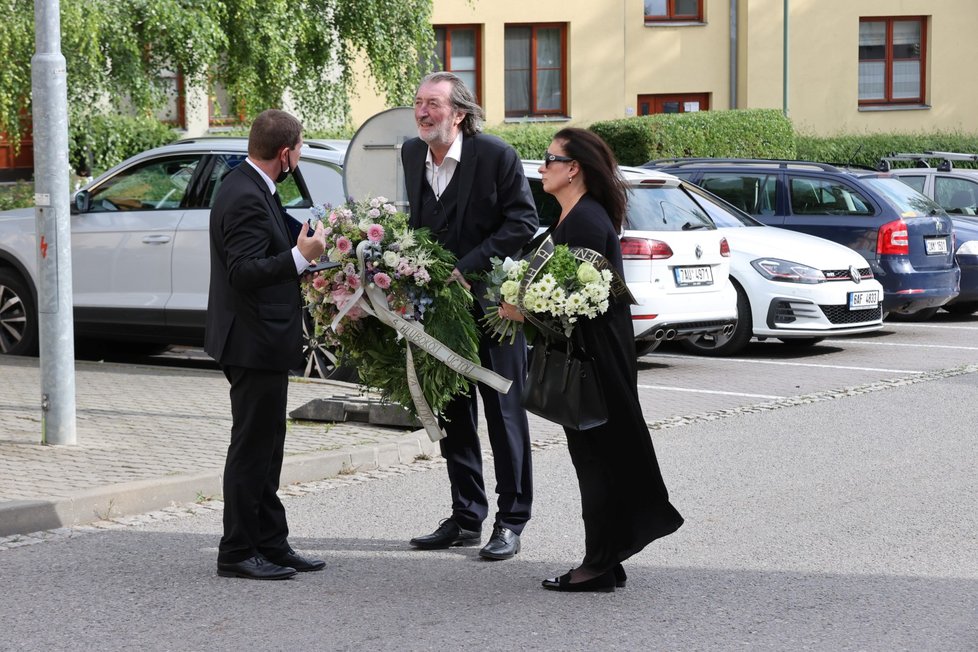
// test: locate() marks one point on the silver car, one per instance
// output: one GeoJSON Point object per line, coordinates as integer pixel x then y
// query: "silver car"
{"type": "Point", "coordinates": [140, 249]}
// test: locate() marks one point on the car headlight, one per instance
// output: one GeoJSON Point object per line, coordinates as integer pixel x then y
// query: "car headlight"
{"type": "Point", "coordinates": [969, 248]}
{"type": "Point", "coordinates": [787, 271]}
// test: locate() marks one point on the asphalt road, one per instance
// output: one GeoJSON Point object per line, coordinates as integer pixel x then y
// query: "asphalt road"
{"type": "Point", "coordinates": [830, 503]}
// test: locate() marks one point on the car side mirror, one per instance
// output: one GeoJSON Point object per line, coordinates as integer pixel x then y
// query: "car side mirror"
{"type": "Point", "coordinates": [83, 201]}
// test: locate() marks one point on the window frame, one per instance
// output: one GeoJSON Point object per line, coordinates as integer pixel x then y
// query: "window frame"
{"type": "Point", "coordinates": [532, 111]}
{"type": "Point", "coordinates": [447, 65]}
{"type": "Point", "coordinates": [225, 120]}
{"type": "Point", "coordinates": [888, 60]}
{"type": "Point", "coordinates": [179, 102]}
{"type": "Point", "coordinates": [671, 16]}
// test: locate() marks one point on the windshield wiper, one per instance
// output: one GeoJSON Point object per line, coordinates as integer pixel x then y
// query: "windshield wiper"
{"type": "Point", "coordinates": [692, 227]}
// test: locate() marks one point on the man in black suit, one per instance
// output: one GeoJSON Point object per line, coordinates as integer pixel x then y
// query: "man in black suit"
{"type": "Point", "coordinates": [469, 189]}
{"type": "Point", "coordinates": [254, 331]}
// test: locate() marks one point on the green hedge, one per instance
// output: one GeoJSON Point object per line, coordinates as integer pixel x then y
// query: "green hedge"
{"type": "Point", "coordinates": [751, 133]}
{"type": "Point", "coordinates": [242, 131]}
{"type": "Point", "coordinates": [97, 143]}
{"type": "Point", "coordinates": [528, 139]}
{"type": "Point", "coordinates": [16, 195]}
{"type": "Point", "coordinates": [866, 149]}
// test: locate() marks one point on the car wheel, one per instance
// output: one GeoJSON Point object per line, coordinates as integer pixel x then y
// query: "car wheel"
{"type": "Point", "coordinates": [722, 344]}
{"type": "Point", "coordinates": [643, 347]}
{"type": "Point", "coordinates": [801, 341]}
{"type": "Point", "coordinates": [963, 308]}
{"type": "Point", "coordinates": [320, 360]}
{"type": "Point", "coordinates": [18, 316]}
{"type": "Point", "coordinates": [920, 315]}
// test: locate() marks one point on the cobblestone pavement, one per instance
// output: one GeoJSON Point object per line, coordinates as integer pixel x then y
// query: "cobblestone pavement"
{"type": "Point", "coordinates": [150, 436]}
{"type": "Point", "coordinates": [152, 440]}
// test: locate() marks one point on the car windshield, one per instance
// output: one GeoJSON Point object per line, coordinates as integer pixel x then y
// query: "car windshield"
{"type": "Point", "coordinates": [660, 208]}
{"type": "Point", "coordinates": [722, 213]}
{"type": "Point", "coordinates": [908, 201]}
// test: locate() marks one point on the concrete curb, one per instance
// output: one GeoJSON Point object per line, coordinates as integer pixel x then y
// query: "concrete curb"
{"type": "Point", "coordinates": [126, 499]}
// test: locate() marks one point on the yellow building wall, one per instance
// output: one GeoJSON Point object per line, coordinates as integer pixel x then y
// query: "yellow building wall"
{"type": "Point", "coordinates": [613, 57]}
{"type": "Point", "coordinates": [823, 64]}
{"type": "Point", "coordinates": [662, 59]}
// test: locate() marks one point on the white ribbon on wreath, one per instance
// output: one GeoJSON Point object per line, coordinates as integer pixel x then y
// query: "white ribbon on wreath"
{"type": "Point", "coordinates": [373, 301]}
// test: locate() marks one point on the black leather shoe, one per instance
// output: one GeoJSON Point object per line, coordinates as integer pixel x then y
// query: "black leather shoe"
{"type": "Point", "coordinates": [447, 535]}
{"type": "Point", "coordinates": [503, 544]}
{"type": "Point", "coordinates": [255, 568]}
{"type": "Point", "coordinates": [600, 584]}
{"type": "Point", "coordinates": [620, 576]}
{"type": "Point", "coordinates": [295, 560]}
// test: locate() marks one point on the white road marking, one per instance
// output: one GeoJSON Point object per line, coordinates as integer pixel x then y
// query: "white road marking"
{"type": "Point", "coordinates": [889, 325]}
{"type": "Point", "coordinates": [920, 346]}
{"type": "Point", "coordinates": [707, 391]}
{"type": "Point", "coordinates": [792, 364]}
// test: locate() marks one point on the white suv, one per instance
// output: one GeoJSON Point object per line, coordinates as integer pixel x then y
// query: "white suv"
{"type": "Point", "coordinates": [676, 261]}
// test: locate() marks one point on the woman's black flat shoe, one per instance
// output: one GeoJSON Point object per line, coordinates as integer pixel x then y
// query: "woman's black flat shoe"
{"type": "Point", "coordinates": [620, 576]}
{"type": "Point", "coordinates": [600, 584]}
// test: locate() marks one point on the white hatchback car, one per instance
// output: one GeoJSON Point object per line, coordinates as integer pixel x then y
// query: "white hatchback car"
{"type": "Point", "coordinates": [676, 262]}
{"type": "Point", "coordinates": [792, 286]}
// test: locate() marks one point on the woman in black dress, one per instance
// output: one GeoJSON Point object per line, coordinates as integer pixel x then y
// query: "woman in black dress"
{"type": "Point", "coordinates": [625, 504]}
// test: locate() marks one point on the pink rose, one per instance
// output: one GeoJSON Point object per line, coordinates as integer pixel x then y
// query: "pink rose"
{"type": "Point", "coordinates": [332, 218]}
{"type": "Point", "coordinates": [343, 244]}
{"type": "Point", "coordinates": [353, 281]}
{"type": "Point", "coordinates": [319, 282]}
{"type": "Point", "coordinates": [375, 233]}
{"type": "Point", "coordinates": [382, 280]}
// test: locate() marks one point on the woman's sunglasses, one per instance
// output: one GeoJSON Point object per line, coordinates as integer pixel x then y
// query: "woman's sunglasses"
{"type": "Point", "coordinates": [549, 158]}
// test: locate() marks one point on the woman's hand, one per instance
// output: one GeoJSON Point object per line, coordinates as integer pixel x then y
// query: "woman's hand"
{"type": "Point", "coordinates": [510, 312]}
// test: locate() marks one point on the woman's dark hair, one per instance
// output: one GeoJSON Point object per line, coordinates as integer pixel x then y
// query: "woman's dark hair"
{"type": "Point", "coordinates": [604, 181]}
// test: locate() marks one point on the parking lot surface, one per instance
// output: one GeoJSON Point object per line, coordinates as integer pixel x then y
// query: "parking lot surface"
{"type": "Point", "coordinates": [828, 495]}
{"type": "Point", "coordinates": [151, 434]}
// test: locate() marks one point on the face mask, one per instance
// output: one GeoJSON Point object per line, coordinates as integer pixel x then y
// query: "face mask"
{"type": "Point", "coordinates": [284, 174]}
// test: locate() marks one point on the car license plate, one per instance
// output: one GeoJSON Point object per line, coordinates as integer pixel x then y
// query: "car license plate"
{"type": "Point", "coordinates": [864, 300]}
{"type": "Point", "coordinates": [694, 275]}
{"type": "Point", "coordinates": [936, 245]}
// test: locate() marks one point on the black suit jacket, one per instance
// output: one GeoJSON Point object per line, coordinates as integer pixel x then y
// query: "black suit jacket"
{"type": "Point", "coordinates": [496, 214]}
{"type": "Point", "coordinates": [254, 303]}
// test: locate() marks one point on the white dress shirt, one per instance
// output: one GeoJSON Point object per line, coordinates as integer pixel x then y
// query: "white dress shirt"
{"type": "Point", "coordinates": [439, 176]}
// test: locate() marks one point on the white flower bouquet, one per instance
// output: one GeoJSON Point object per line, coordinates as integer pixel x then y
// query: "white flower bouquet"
{"type": "Point", "coordinates": [565, 289]}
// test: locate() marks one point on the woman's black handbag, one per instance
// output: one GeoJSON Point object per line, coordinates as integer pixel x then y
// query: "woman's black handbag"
{"type": "Point", "coordinates": [561, 386]}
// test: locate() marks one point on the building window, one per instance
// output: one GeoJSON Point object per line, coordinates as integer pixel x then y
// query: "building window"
{"type": "Point", "coordinates": [220, 108]}
{"type": "Point", "coordinates": [892, 60]}
{"type": "Point", "coordinates": [673, 103]}
{"type": "Point", "coordinates": [457, 50]}
{"type": "Point", "coordinates": [536, 70]}
{"type": "Point", "coordinates": [659, 11]}
{"type": "Point", "coordinates": [173, 112]}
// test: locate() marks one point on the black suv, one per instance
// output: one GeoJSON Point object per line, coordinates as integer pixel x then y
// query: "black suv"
{"type": "Point", "coordinates": [906, 238]}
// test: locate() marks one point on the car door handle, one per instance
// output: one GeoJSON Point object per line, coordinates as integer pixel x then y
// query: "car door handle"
{"type": "Point", "coordinates": [156, 239]}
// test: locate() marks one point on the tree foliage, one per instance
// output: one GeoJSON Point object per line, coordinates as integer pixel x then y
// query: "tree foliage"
{"type": "Point", "coordinates": [117, 52]}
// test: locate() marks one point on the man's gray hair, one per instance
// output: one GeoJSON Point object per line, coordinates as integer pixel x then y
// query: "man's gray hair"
{"type": "Point", "coordinates": [462, 99]}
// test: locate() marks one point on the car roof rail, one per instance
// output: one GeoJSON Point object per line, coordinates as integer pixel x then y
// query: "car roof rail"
{"type": "Point", "coordinates": [204, 139]}
{"type": "Point", "coordinates": [783, 163]}
{"type": "Point", "coordinates": [920, 159]}
{"type": "Point", "coordinates": [312, 143]}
